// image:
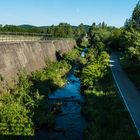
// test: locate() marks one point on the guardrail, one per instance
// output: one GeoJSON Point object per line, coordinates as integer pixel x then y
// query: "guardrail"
{"type": "Point", "coordinates": [18, 36]}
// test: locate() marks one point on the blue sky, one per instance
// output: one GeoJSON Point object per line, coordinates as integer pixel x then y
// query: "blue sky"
{"type": "Point", "coordinates": [48, 12]}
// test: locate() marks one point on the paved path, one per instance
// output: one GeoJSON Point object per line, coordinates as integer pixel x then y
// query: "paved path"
{"type": "Point", "coordinates": [128, 91]}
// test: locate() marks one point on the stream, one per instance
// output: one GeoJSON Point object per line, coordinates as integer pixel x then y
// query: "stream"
{"type": "Point", "coordinates": [70, 123]}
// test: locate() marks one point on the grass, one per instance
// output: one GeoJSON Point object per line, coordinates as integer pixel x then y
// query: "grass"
{"type": "Point", "coordinates": [107, 117]}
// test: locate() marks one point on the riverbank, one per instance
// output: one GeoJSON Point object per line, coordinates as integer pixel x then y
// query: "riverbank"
{"type": "Point", "coordinates": [26, 103]}
{"type": "Point", "coordinates": [69, 122]}
{"type": "Point", "coordinates": [46, 117]}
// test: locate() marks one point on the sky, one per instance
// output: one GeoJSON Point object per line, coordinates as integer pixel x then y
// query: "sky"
{"type": "Point", "coordinates": [48, 12]}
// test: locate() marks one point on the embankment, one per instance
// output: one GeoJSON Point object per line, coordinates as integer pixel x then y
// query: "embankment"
{"type": "Point", "coordinates": [15, 56]}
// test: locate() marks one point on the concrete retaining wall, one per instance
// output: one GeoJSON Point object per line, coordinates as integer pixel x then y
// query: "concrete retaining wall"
{"type": "Point", "coordinates": [15, 56]}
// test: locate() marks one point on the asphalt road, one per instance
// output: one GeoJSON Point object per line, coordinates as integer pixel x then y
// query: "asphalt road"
{"type": "Point", "coordinates": [128, 91]}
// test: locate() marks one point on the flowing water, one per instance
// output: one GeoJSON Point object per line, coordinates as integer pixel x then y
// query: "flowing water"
{"type": "Point", "coordinates": [70, 123]}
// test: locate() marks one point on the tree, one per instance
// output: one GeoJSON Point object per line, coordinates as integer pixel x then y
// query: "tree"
{"type": "Point", "coordinates": [114, 39]}
{"type": "Point", "coordinates": [130, 42]}
{"type": "Point", "coordinates": [128, 24]}
{"type": "Point", "coordinates": [104, 25]}
{"type": "Point", "coordinates": [63, 30]}
{"type": "Point", "coordinates": [136, 16]}
{"type": "Point", "coordinates": [91, 75]}
{"type": "Point", "coordinates": [91, 29]}
{"type": "Point", "coordinates": [79, 31]}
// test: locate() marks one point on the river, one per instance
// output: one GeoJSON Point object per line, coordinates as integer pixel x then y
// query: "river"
{"type": "Point", "coordinates": [70, 123]}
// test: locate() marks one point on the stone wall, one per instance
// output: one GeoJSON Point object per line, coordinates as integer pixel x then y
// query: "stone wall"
{"type": "Point", "coordinates": [15, 56]}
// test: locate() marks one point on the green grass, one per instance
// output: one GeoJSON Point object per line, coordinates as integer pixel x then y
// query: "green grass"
{"type": "Point", "coordinates": [107, 117]}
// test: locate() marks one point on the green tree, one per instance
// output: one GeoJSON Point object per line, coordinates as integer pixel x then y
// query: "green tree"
{"type": "Point", "coordinates": [63, 30]}
{"type": "Point", "coordinates": [136, 16]}
{"type": "Point", "coordinates": [130, 42]}
{"type": "Point", "coordinates": [114, 39]}
{"type": "Point", "coordinates": [79, 31]}
{"type": "Point", "coordinates": [128, 24]}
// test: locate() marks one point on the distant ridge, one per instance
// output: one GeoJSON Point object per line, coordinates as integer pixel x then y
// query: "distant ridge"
{"type": "Point", "coordinates": [27, 26]}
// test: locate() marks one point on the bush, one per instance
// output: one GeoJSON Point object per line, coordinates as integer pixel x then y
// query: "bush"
{"type": "Point", "coordinates": [14, 119]}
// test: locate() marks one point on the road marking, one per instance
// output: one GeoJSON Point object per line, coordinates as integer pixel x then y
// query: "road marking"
{"type": "Point", "coordinates": [125, 101]}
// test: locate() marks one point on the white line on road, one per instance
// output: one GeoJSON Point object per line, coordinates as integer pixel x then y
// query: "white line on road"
{"type": "Point", "coordinates": [125, 101]}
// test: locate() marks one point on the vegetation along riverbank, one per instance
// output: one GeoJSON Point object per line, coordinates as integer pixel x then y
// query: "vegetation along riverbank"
{"type": "Point", "coordinates": [24, 105]}
{"type": "Point", "coordinates": [104, 109]}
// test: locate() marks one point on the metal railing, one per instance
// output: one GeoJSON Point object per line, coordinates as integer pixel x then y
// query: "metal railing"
{"type": "Point", "coordinates": [20, 36]}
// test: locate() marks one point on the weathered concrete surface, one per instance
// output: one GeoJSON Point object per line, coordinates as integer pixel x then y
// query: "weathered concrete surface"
{"type": "Point", "coordinates": [15, 56]}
